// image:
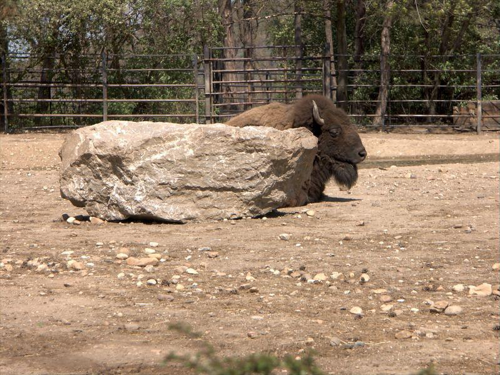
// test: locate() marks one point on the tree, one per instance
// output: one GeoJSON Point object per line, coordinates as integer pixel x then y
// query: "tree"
{"type": "Point", "coordinates": [385, 75]}
{"type": "Point", "coordinates": [342, 54]}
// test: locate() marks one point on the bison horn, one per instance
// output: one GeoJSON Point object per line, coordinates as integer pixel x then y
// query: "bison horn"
{"type": "Point", "coordinates": [316, 115]}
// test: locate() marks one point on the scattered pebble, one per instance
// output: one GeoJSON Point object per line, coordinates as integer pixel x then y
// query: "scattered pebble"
{"type": "Point", "coordinates": [356, 310]}
{"type": "Point", "coordinates": [402, 335]}
{"type": "Point", "coordinates": [458, 288]}
{"type": "Point", "coordinates": [385, 298]}
{"type": "Point", "coordinates": [310, 213]}
{"type": "Point", "coordinates": [74, 265]}
{"type": "Point", "coordinates": [131, 327]}
{"type": "Point", "coordinates": [386, 307]}
{"type": "Point", "coordinates": [149, 268]}
{"type": "Point", "coordinates": [124, 250]}
{"type": "Point", "coordinates": [96, 221]}
{"type": "Point", "coordinates": [453, 310]}
{"type": "Point", "coordinates": [151, 282]}
{"type": "Point", "coordinates": [335, 341]}
{"type": "Point", "coordinates": [165, 297]}
{"type": "Point", "coordinates": [335, 275]}
{"type": "Point", "coordinates": [364, 278]}
{"type": "Point", "coordinates": [320, 277]}
{"type": "Point", "coordinates": [482, 290]}
{"type": "Point", "coordinates": [121, 256]}
{"type": "Point", "coordinates": [439, 306]}
{"type": "Point", "coordinates": [141, 262]}
{"type": "Point", "coordinates": [284, 237]}
{"type": "Point", "coordinates": [496, 267]}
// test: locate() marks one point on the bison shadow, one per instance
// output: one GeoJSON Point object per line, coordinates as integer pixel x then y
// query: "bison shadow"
{"type": "Point", "coordinates": [326, 198]}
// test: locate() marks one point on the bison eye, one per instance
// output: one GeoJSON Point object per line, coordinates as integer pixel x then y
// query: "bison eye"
{"type": "Point", "coordinates": [334, 132]}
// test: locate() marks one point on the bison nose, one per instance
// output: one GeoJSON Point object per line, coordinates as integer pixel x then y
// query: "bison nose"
{"type": "Point", "coordinates": [362, 154]}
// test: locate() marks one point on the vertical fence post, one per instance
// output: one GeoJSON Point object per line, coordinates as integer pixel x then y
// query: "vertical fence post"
{"type": "Point", "coordinates": [479, 106]}
{"type": "Point", "coordinates": [5, 97]}
{"type": "Point", "coordinates": [327, 75]}
{"type": "Point", "coordinates": [208, 86]}
{"type": "Point", "coordinates": [299, 53]}
{"type": "Point", "coordinates": [268, 87]}
{"type": "Point", "coordinates": [104, 58]}
{"type": "Point", "coordinates": [383, 98]}
{"type": "Point", "coordinates": [196, 94]}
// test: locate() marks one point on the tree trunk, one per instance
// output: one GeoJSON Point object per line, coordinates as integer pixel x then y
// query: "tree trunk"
{"type": "Point", "coordinates": [359, 48]}
{"type": "Point", "coordinates": [359, 32]}
{"type": "Point", "coordinates": [385, 74]}
{"type": "Point", "coordinates": [247, 35]}
{"type": "Point", "coordinates": [329, 39]}
{"type": "Point", "coordinates": [45, 91]}
{"type": "Point", "coordinates": [298, 44]}
{"type": "Point", "coordinates": [342, 55]}
{"type": "Point", "coordinates": [226, 14]}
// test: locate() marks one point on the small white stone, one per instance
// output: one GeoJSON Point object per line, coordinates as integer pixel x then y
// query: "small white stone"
{"type": "Point", "coordinates": [154, 244]}
{"type": "Point", "coordinates": [335, 275]}
{"type": "Point", "coordinates": [364, 277]}
{"type": "Point", "coordinates": [284, 237]}
{"type": "Point", "coordinates": [458, 288]}
{"type": "Point", "coordinates": [320, 277]}
{"type": "Point", "coordinates": [149, 251]}
{"type": "Point", "coordinates": [482, 290]}
{"type": "Point", "coordinates": [356, 310]}
{"type": "Point", "coordinates": [453, 310]}
{"type": "Point", "coordinates": [151, 282]}
{"type": "Point", "coordinates": [192, 271]}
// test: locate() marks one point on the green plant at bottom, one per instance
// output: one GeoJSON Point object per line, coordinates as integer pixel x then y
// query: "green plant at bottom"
{"type": "Point", "coordinates": [206, 361]}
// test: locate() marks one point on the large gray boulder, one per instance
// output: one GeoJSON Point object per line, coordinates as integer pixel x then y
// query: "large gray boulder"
{"type": "Point", "coordinates": [171, 172]}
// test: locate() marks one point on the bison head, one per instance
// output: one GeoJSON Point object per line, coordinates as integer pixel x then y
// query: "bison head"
{"type": "Point", "coordinates": [339, 146]}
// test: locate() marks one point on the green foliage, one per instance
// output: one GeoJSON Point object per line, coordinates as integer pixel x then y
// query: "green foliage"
{"type": "Point", "coordinates": [430, 370]}
{"type": "Point", "coordinates": [206, 361]}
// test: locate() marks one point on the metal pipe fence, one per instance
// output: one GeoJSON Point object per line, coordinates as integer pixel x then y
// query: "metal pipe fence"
{"type": "Point", "coordinates": [458, 92]}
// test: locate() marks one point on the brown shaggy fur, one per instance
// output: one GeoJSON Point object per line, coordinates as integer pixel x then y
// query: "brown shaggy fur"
{"type": "Point", "coordinates": [339, 145]}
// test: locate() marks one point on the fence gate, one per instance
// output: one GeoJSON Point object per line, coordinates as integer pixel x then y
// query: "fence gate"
{"type": "Point", "coordinates": [236, 79]}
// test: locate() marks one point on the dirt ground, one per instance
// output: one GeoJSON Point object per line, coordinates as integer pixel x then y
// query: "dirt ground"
{"type": "Point", "coordinates": [416, 229]}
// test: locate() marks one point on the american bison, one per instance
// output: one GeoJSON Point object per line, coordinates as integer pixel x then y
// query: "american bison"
{"type": "Point", "coordinates": [339, 147]}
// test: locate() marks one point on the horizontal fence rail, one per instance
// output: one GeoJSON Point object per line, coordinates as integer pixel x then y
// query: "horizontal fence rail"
{"type": "Point", "coordinates": [459, 92]}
